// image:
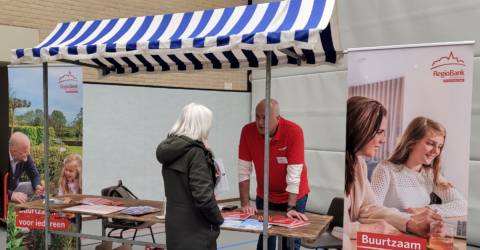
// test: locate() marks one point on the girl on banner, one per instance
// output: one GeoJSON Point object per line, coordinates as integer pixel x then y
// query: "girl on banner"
{"type": "Point", "coordinates": [415, 168]}
{"type": "Point", "coordinates": [366, 124]}
{"type": "Point", "coordinates": [70, 181]}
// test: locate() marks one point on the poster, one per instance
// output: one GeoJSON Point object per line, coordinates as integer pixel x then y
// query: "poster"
{"type": "Point", "coordinates": [408, 143]}
{"type": "Point", "coordinates": [26, 172]}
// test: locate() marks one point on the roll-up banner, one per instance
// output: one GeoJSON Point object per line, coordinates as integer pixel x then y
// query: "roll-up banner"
{"type": "Point", "coordinates": [26, 171]}
{"type": "Point", "coordinates": [408, 141]}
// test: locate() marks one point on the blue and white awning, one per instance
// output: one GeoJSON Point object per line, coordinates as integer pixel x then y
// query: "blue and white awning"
{"type": "Point", "coordinates": [229, 38]}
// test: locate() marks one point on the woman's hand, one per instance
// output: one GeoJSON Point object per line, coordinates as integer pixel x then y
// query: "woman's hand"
{"type": "Point", "coordinates": [419, 223]}
{"type": "Point", "coordinates": [417, 210]}
{"type": "Point", "coordinates": [381, 227]}
{"type": "Point", "coordinates": [439, 229]}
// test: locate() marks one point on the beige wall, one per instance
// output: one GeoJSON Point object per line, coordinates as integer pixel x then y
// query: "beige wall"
{"type": "Point", "coordinates": [14, 37]}
{"type": "Point", "coordinates": [44, 15]}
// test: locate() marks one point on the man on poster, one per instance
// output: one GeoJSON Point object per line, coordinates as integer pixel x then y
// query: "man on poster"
{"type": "Point", "coordinates": [288, 185]}
{"type": "Point", "coordinates": [21, 162]}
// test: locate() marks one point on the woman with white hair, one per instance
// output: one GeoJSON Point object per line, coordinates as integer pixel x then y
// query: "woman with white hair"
{"type": "Point", "coordinates": [192, 217]}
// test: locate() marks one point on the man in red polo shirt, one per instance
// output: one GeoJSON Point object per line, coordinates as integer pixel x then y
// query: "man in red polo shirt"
{"type": "Point", "coordinates": [288, 185]}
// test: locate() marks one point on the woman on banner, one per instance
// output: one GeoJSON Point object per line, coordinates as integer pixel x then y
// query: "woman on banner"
{"type": "Point", "coordinates": [415, 168]}
{"type": "Point", "coordinates": [192, 214]}
{"type": "Point", "coordinates": [366, 124]}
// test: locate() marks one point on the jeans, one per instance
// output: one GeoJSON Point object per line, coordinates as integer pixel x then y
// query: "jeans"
{"type": "Point", "coordinates": [301, 204]}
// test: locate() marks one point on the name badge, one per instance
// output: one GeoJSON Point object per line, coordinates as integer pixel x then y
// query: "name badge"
{"type": "Point", "coordinates": [282, 160]}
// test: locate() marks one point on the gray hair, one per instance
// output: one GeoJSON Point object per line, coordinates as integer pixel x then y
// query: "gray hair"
{"type": "Point", "coordinates": [18, 138]}
{"type": "Point", "coordinates": [195, 122]}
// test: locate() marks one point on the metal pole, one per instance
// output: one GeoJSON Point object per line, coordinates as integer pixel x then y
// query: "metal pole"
{"type": "Point", "coordinates": [266, 159]}
{"type": "Point", "coordinates": [46, 146]}
{"type": "Point", "coordinates": [78, 221]}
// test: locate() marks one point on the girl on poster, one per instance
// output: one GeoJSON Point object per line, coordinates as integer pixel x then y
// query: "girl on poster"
{"type": "Point", "coordinates": [415, 168]}
{"type": "Point", "coordinates": [70, 181]}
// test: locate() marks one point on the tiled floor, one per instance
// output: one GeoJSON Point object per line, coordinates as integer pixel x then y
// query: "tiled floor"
{"type": "Point", "coordinates": [227, 240]}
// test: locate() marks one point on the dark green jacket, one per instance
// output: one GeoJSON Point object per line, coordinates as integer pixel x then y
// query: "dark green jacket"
{"type": "Point", "coordinates": [193, 217]}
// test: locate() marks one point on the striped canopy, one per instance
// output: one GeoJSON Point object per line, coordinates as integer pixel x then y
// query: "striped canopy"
{"type": "Point", "coordinates": [229, 38]}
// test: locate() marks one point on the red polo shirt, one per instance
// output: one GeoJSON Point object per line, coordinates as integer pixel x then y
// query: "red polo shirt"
{"type": "Point", "coordinates": [286, 148]}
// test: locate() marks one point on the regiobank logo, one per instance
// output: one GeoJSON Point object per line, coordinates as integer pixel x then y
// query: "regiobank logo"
{"type": "Point", "coordinates": [450, 69]}
{"type": "Point", "coordinates": [69, 83]}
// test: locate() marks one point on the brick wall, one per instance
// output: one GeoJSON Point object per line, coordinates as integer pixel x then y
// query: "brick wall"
{"type": "Point", "coordinates": [44, 15]}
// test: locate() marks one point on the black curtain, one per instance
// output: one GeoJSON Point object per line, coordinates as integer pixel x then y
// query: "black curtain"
{"type": "Point", "coordinates": [4, 135]}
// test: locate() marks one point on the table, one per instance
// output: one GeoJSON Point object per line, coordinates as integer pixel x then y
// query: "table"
{"type": "Point", "coordinates": [60, 208]}
{"type": "Point", "coordinates": [38, 204]}
{"type": "Point", "coordinates": [318, 225]}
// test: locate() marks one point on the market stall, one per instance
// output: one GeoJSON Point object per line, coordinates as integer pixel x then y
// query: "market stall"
{"type": "Point", "coordinates": [259, 36]}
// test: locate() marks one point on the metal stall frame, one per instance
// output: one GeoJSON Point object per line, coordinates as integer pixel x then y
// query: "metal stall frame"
{"type": "Point", "coordinates": [325, 51]}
